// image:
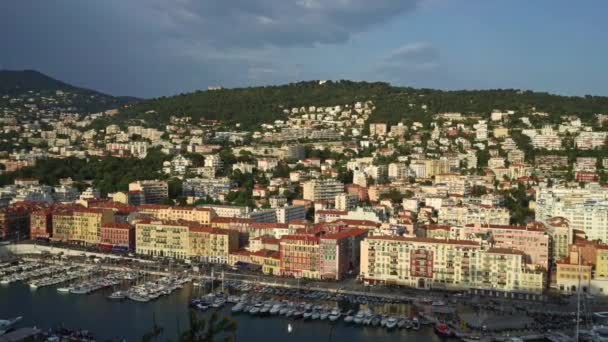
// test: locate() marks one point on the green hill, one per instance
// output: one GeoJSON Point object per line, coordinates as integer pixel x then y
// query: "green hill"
{"type": "Point", "coordinates": [255, 105]}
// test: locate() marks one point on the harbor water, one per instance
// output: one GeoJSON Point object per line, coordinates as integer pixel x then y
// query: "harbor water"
{"type": "Point", "coordinates": [106, 319]}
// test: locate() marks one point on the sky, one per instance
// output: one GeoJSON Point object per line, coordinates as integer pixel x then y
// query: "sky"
{"type": "Point", "coordinates": [151, 48]}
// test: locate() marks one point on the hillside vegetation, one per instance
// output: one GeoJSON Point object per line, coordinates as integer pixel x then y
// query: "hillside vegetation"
{"type": "Point", "coordinates": [255, 105]}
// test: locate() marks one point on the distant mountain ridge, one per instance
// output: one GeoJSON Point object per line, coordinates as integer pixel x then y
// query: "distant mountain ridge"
{"type": "Point", "coordinates": [19, 82]}
{"type": "Point", "coordinates": [25, 80]}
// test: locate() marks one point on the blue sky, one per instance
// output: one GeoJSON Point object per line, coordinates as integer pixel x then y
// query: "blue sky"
{"type": "Point", "coordinates": [153, 48]}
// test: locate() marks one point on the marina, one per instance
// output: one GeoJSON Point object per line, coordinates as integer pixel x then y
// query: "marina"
{"type": "Point", "coordinates": [393, 315]}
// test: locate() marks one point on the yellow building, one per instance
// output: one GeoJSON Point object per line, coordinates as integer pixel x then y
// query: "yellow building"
{"type": "Point", "coordinates": [163, 239]}
{"type": "Point", "coordinates": [571, 272]}
{"type": "Point", "coordinates": [269, 260]}
{"type": "Point", "coordinates": [89, 221]}
{"type": "Point", "coordinates": [80, 225]}
{"type": "Point", "coordinates": [212, 245]}
{"type": "Point", "coordinates": [601, 262]}
{"type": "Point", "coordinates": [175, 213]}
{"type": "Point", "coordinates": [63, 228]}
{"type": "Point", "coordinates": [501, 132]}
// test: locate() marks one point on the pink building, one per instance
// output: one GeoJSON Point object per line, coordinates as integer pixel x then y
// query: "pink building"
{"type": "Point", "coordinates": [533, 239]}
{"type": "Point", "coordinates": [117, 235]}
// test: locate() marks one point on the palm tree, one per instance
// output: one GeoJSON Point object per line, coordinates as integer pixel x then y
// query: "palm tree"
{"type": "Point", "coordinates": [202, 329]}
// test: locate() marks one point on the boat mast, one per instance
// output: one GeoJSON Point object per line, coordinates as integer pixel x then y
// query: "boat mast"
{"type": "Point", "coordinates": [578, 299]}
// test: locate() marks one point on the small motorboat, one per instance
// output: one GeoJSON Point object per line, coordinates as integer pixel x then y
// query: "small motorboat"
{"type": "Point", "coordinates": [442, 329]}
{"type": "Point", "coordinates": [334, 315]}
{"type": "Point", "coordinates": [238, 307]}
{"type": "Point", "coordinates": [118, 295]}
{"type": "Point", "coordinates": [6, 323]}
{"type": "Point", "coordinates": [415, 323]}
{"type": "Point", "coordinates": [64, 289]}
{"type": "Point", "coordinates": [391, 323]}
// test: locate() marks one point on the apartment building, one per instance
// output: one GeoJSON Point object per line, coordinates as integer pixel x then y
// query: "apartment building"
{"type": "Point", "coordinates": [80, 225]}
{"type": "Point", "coordinates": [560, 236]}
{"type": "Point", "coordinates": [428, 168]}
{"type": "Point", "coordinates": [163, 239]}
{"type": "Point", "coordinates": [445, 264]}
{"type": "Point", "coordinates": [15, 221]}
{"type": "Point", "coordinates": [571, 273]}
{"type": "Point", "coordinates": [585, 209]}
{"type": "Point", "coordinates": [153, 190]}
{"type": "Point", "coordinates": [117, 236]}
{"type": "Point", "coordinates": [460, 215]}
{"type": "Point", "coordinates": [532, 240]}
{"type": "Point", "coordinates": [229, 210]}
{"type": "Point", "coordinates": [197, 188]}
{"type": "Point", "coordinates": [290, 213]}
{"type": "Point", "coordinates": [212, 245]}
{"type": "Point", "coordinates": [300, 257]}
{"type": "Point", "coordinates": [590, 140]}
{"type": "Point", "coordinates": [322, 189]}
{"type": "Point", "coordinates": [340, 253]}
{"type": "Point", "coordinates": [455, 183]}
{"type": "Point", "coordinates": [41, 224]}
{"type": "Point", "coordinates": [378, 129]}
{"type": "Point", "coordinates": [175, 213]}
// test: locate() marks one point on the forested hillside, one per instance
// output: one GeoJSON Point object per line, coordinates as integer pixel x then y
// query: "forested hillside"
{"type": "Point", "coordinates": [254, 105]}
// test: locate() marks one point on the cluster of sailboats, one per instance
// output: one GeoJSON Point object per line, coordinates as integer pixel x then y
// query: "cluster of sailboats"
{"type": "Point", "coordinates": [26, 271]}
{"type": "Point", "coordinates": [63, 275]}
{"type": "Point", "coordinates": [152, 289]}
{"type": "Point", "coordinates": [255, 306]}
{"type": "Point", "coordinates": [98, 279]}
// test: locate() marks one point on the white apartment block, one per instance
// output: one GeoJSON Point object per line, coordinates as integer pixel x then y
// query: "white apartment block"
{"type": "Point", "coordinates": [154, 190]}
{"type": "Point", "coordinates": [460, 215]}
{"type": "Point", "coordinates": [322, 189]}
{"type": "Point", "coordinates": [290, 213]}
{"type": "Point", "coordinates": [585, 209]}
{"type": "Point", "coordinates": [229, 210]}
{"type": "Point", "coordinates": [590, 140]}
{"type": "Point", "coordinates": [397, 170]}
{"type": "Point", "coordinates": [346, 201]}
{"type": "Point", "coordinates": [481, 130]}
{"type": "Point", "coordinates": [213, 160]}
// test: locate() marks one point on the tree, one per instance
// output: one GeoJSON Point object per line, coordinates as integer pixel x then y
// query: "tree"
{"type": "Point", "coordinates": [202, 329]}
{"type": "Point", "coordinates": [207, 329]}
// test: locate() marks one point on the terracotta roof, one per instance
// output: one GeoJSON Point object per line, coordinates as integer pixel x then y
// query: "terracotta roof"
{"type": "Point", "coordinates": [117, 225]}
{"type": "Point", "coordinates": [504, 226]}
{"type": "Point", "coordinates": [350, 222]}
{"type": "Point", "coordinates": [505, 251]}
{"type": "Point", "coordinates": [344, 233]}
{"type": "Point", "coordinates": [269, 225]}
{"type": "Point", "coordinates": [266, 253]}
{"type": "Point", "coordinates": [300, 238]}
{"type": "Point", "coordinates": [331, 212]}
{"type": "Point", "coordinates": [423, 240]}
{"type": "Point", "coordinates": [219, 219]}
{"type": "Point", "coordinates": [436, 227]}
